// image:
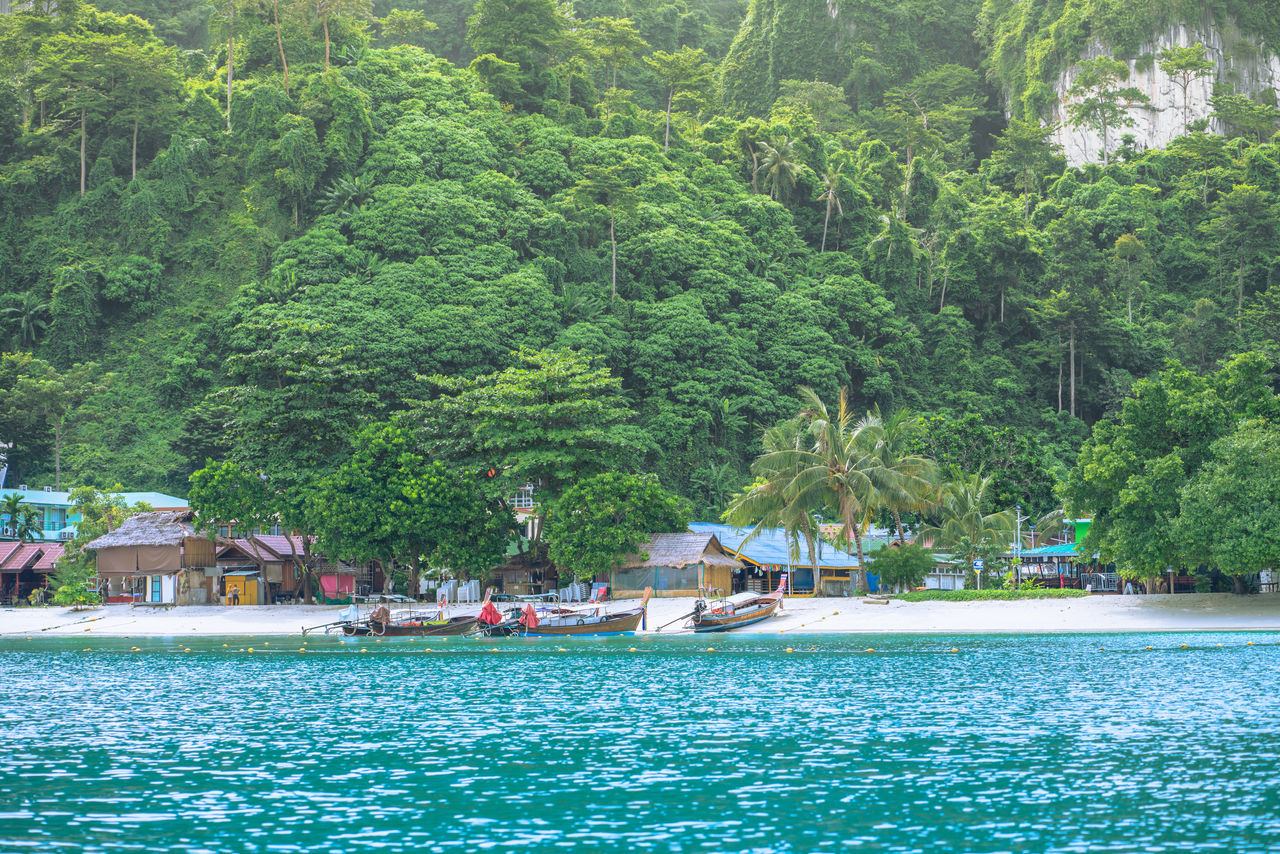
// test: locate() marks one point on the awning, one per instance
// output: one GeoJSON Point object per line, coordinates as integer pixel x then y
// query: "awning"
{"type": "Point", "coordinates": [241, 572]}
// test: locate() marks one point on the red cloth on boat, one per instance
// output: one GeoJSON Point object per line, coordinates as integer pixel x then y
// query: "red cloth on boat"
{"type": "Point", "coordinates": [489, 615]}
{"type": "Point", "coordinates": [529, 619]}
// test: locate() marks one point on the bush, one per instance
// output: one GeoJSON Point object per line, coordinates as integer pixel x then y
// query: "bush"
{"type": "Point", "coordinates": [978, 595]}
{"type": "Point", "coordinates": [906, 566]}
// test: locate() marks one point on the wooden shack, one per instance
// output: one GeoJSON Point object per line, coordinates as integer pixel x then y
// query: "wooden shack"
{"type": "Point", "coordinates": [156, 558]}
{"type": "Point", "coordinates": [675, 565]}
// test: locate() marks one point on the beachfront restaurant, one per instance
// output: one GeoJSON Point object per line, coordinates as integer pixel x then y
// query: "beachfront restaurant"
{"type": "Point", "coordinates": [769, 555]}
{"type": "Point", "coordinates": [675, 565]}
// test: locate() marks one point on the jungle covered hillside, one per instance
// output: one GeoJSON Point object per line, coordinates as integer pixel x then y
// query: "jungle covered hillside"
{"type": "Point", "coordinates": [297, 214]}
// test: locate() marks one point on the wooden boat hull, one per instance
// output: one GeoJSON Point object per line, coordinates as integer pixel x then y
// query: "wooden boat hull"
{"type": "Point", "coordinates": [622, 623]}
{"type": "Point", "coordinates": [710, 622]}
{"type": "Point", "coordinates": [407, 629]}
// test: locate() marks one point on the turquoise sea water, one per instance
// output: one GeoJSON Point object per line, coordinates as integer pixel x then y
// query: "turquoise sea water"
{"type": "Point", "coordinates": [1013, 743]}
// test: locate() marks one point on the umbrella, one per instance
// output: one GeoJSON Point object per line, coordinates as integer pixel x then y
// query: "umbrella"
{"type": "Point", "coordinates": [489, 615]}
{"type": "Point", "coordinates": [529, 619]}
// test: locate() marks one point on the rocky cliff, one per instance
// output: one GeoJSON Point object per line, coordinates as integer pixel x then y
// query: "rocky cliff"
{"type": "Point", "coordinates": [1249, 69]}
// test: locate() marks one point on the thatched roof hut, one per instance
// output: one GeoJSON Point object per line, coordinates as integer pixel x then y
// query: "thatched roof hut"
{"type": "Point", "coordinates": [676, 565]}
{"type": "Point", "coordinates": [152, 543]}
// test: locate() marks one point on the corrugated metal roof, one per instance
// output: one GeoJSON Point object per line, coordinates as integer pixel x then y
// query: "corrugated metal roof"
{"type": "Point", "coordinates": [1059, 550]}
{"type": "Point", "coordinates": [40, 498]}
{"type": "Point", "coordinates": [771, 546]}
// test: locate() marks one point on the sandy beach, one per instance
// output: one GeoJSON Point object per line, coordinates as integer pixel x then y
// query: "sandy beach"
{"type": "Point", "coordinates": [1187, 612]}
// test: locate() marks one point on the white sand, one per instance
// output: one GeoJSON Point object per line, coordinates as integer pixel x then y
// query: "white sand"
{"type": "Point", "coordinates": [1187, 612]}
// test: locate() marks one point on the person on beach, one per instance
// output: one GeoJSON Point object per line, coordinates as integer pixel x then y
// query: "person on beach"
{"type": "Point", "coordinates": [235, 596]}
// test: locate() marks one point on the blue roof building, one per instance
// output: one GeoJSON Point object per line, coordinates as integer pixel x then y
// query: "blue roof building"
{"type": "Point", "coordinates": [58, 518]}
{"type": "Point", "coordinates": [768, 555]}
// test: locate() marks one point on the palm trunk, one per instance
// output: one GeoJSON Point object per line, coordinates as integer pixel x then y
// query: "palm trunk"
{"type": "Point", "coordinates": [825, 221]}
{"type": "Point", "coordinates": [862, 562]}
{"type": "Point", "coordinates": [897, 521]}
{"type": "Point", "coordinates": [813, 558]}
{"type": "Point", "coordinates": [666, 140]}
{"type": "Point", "coordinates": [275, 14]}
{"type": "Point", "coordinates": [134, 173]}
{"type": "Point", "coordinates": [942, 301]}
{"type": "Point", "coordinates": [83, 172]}
{"type": "Point", "coordinates": [324, 18]}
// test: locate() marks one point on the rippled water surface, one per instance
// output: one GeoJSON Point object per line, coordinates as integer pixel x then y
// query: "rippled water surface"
{"type": "Point", "coordinates": [1031, 743]}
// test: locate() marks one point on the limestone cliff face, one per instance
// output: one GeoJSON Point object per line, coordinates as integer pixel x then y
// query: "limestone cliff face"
{"type": "Point", "coordinates": [1158, 123]}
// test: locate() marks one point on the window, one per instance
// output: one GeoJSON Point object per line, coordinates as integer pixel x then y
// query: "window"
{"type": "Point", "coordinates": [155, 588]}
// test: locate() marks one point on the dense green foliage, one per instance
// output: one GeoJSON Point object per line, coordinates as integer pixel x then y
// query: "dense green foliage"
{"type": "Point", "coordinates": [1161, 484]}
{"type": "Point", "coordinates": [304, 223]}
{"type": "Point", "coordinates": [600, 520]}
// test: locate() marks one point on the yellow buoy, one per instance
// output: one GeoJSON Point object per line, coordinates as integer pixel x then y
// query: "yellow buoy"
{"type": "Point", "coordinates": [1250, 643]}
{"type": "Point", "coordinates": [135, 649]}
{"type": "Point", "coordinates": [633, 649]}
{"type": "Point", "coordinates": [711, 649]}
{"type": "Point", "coordinates": [266, 643]}
{"type": "Point", "coordinates": [834, 613]}
{"type": "Point", "coordinates": [789, 649]}
{"type": "Point", "coordinates": [869, 649]}
{"type": "Point", "coordinates": [250, 649]}
{"type": "Point", "coordinates": [86, 630]}
{"type": "Point", "coordinates": [86, 649]}
{"type": "Point", "coordinates": [364, 650]}
{"type": "Point", "coordinates": [1184, 646]}
{"type": "Point", "coordinates": [953, 649]}
{"type": "Point", "coordinates": [302, 649]}
{"type": "Point", "coordinates": [188, 649]}
{"type": "Point", "coordinates": [1218, 645]}
{"type": "Point", "coordinates": [1148, 647]}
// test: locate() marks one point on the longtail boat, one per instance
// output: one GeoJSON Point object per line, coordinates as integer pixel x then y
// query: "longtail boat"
{"type": "Point", "coordinates": [565, 622]}
{"type": "Point", "coordinates": [404, 625]}
{"type": "Point", "coordinates": [734, 612]}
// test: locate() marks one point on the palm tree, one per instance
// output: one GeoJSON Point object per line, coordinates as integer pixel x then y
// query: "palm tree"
{"type": "Point", "coordinates": [906, 481]}
{"type": "Point", "coordinates": [766, 503]}
{"type": "Point", "coordinates": [21, 518]}
{"type": "Point", "coordinates": [963, 525]}
{"type": "Point", "coordinates": [838, 471]}
{"type": "Point", "coordinates": [780, 167]}
{"type": "Point", "coordinates": [26, 313]}
{"type": "Point", "coordinates": [830, 195]}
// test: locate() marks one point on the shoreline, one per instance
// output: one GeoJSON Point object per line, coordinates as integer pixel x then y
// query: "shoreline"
{"type": "Point", "coordinates": [1194, 612]}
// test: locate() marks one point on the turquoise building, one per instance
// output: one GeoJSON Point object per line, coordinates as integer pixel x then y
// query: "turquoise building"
{"type": "Point", "coordinates": [58, 516]}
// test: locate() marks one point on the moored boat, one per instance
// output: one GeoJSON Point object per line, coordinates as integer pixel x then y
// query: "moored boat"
{"type": "Point", "coordinates": [564, 622]}
{"type": "Point", "coordinates": [382, 623]}
{"type": "Point", "coordinates": [734, 612]}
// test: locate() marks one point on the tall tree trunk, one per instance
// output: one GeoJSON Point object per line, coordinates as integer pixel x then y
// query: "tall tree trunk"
{"type": "Point", "coordinates": [1059, 375]}
{"type": "Point", "coordinates": [275, 15]}
{"type": "Point", "coordinates": [83, 172]}
{"type": "Point", "coordinates": [231, 62]}
{"type": "Point", "coordinates": [613, 242]}
{"type": "Point", "coordinates": [897, 521]}
{"type": "Point", "coordinates": [1239, 292]}
{"type": "Point", "coordinates": [811, 542]}
{"type": "Point", "coordinates": [134, 173]}
{"type": "Point", "coordinates": [825, 221]}
{"type": "Point", "coordinates": [57, 456]}
{"type": "Point", "coordinates": [942, 301]}
{"type": "Point", "coordinates": [1002, 303]}
{"type": "Point", "coordinates": [324, 18]}
{"type": "Point", "coordinates": [862, 562]}
{"type": "Point", "coordinates": [666, 139]}
{"type": "Point", "coordinates": [1073, 367]}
